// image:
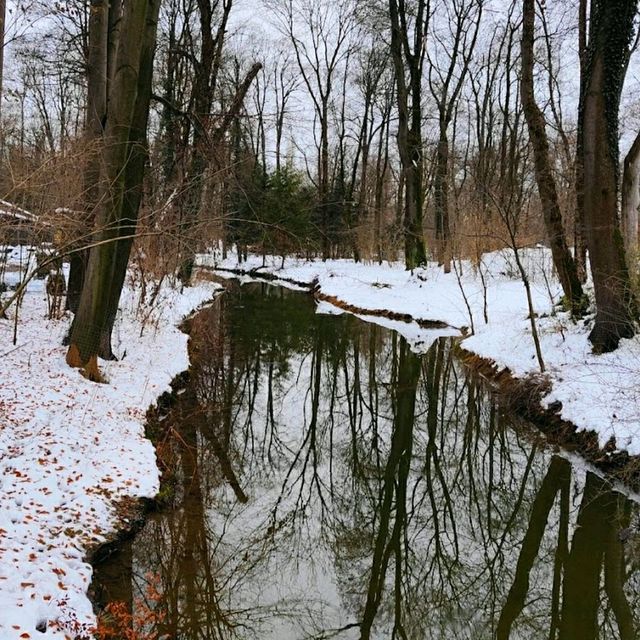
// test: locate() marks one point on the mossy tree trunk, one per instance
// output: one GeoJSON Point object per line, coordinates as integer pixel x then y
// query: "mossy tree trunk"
{"type": "Point", "coordinates": [607, 54]}
{"type": "Point", "coordinates": [562, 258]}
{"type": "Point", "coordinates": [121, 175]}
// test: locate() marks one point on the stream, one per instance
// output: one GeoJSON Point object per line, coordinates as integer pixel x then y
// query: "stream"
{"type": "Point", "coordinates": [325, 481]}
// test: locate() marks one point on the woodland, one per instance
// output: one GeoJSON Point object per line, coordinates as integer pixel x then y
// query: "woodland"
{"type": "Point", "coordinates": [342, 129]}
{"type": "Point", "coordinates": [465, 166]}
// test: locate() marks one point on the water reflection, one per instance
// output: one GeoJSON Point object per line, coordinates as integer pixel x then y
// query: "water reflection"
{"type": "Point", "coordinates": [331, 483]}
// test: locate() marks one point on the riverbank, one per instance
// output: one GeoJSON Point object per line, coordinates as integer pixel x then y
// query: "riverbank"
{"type": "Point", "coordinates": [597, 394]}
{"type": "Point", "coordinates": [73, 454]}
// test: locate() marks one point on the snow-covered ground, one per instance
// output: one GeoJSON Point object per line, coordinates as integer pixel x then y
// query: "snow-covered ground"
{"type": "Point", "coordinates": [71, 451]}
{"type": "Point", "coordinates": [597, 392]}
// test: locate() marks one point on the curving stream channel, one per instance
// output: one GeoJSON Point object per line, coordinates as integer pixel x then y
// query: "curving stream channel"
{"type": "Point", "coordinates": [327, 482]}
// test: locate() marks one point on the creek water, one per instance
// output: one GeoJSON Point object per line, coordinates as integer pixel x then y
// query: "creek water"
{"type": "Point", "coordinates": [327, 482]}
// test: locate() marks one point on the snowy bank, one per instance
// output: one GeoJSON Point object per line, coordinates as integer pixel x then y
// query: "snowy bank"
{"type": "Point", "coordinates": [595, 392]}
{"type": "Point", "coordinates": [72, 452]}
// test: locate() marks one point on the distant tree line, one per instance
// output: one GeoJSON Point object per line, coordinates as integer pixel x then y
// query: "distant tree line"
{"type": "Point", "coordinates": [376, 130]}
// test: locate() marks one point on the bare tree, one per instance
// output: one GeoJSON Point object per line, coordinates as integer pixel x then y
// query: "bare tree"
{"type": "Point", "coordinates": [408, 46]}
{"type": "Point", "coordinates": [463, 18]}
{"type": "Point", "coordinates": [285, 83]}
{"type": "Point", "coordinates": [319, 32]}
{"type": "Point", "coordinates": [547, 189]}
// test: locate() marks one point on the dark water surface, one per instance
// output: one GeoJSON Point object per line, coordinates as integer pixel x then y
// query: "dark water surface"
{"type": "Point", "coordinates": [329, 483]}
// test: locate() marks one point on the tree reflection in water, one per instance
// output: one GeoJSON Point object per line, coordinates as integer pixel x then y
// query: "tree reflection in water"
{"type": "Point", "coordinates": [332, 483]}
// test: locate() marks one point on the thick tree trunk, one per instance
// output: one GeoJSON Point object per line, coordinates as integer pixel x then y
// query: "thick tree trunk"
{"type": "Point", "coordinates": [612, 24]}
{"type": "Point", "coordinates": [134, 177]}
{"type": "Point", "coordinates": [102, 16]}
{"type": "Point", "coordinates": [106, 266]}
{"type": "Point", "coordinates": [631, 204]}
{"type": "Point", "coordinates": [562, 259]}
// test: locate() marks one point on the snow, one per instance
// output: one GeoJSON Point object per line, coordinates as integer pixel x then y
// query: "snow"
{"type": "Point", "coordinates": [71, 451]}
{"type": "Point", "coordinates": [13, 211]}
{"type": "Point", "coordinates": [596, 392]}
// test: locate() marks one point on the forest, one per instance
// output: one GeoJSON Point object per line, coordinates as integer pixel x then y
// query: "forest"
{"type": "Point", "coordinates": [196, 199]}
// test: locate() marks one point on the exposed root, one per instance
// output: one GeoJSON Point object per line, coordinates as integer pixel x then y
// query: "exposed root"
{"type": "Point", "coordinates": [89, 370]}
{"type": "Point", "coordinates": [73, 356]}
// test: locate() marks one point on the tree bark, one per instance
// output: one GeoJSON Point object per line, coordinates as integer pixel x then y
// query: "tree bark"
{"type": "Point", "coordinates": [134, 177]}
{"type": "Point", "coordinates": [441, 199]}
{"type": "Point", "coordinates": [104, 19]}
{"type": "Point", "coordinates": [562, 259]}
{"type": "Point", "coordinates": [108, 260]}
{"type": "Point", "coordinates": [631, 204]}
{"type": "Point", "coordinates": [96, 112]}
{"type": "Point", "coordinates": [611, 29]}
{"type": "Point", "coordinates": [580, 246]}
{"type": "Point", "coordinates": [410, 124]}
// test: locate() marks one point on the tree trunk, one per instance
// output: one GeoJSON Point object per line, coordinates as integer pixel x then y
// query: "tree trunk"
{"type": "Point", "coordinates": [580, 246]}
{"type": "Point", "coordinates": [134, 177]}
{"type": "Point", "coordinates": [612, 24]}
{"type": "Point", "coordinates": [107, 263]}
{"type": "Point", "coordinates": [441, 198]}
{"type": "Point", "coordinates": [631, 204]}
{"type": "Point", "coordinates": [101, 17]}
{"type": "Point", "coordinates": [562, 259]}
{"type": "Point", "coordinates": [206, 70]}
{"type": "Point", "coordinates": [186, 266]}
{"type": "Point", "coordinates": [409, 127]}
{"type": "Point", "coordinates": [3, 12]}
{"type": "Point", "coordinates": [382, 162]}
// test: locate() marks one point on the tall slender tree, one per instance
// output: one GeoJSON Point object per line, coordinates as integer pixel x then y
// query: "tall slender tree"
{"type": "Point", "coordinates": [408, 46]}
{"type": "Point", "coordinates": [562, 258]}
{"type": "Point", "coordinates": [464, 18]}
